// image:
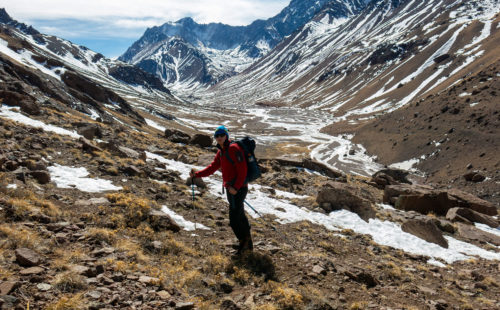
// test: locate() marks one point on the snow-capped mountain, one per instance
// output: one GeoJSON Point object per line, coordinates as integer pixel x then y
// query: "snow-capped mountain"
{"type": "Point", "coordinates": [376, 61]}
{"type": "Point", "coordinates": [189, 54]}
{"type": "Point", "coordinates": [83, 79]}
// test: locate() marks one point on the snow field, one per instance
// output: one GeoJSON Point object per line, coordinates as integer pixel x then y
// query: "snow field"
{"type": "Point", "coordinates": [383, 232]}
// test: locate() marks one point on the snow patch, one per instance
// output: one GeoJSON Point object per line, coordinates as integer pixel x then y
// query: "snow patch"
{"type": "Point", "coordinates": [383, 232]}
{"type": "Point", "coordinates": [7, 112]}
{"type": "Point", "coordinates": [155, 125]}
{"type": "Point", "coordinates": [486, 228]}
{"type": "Point", "coordinates": [12, 186]}
{"type": "Point", "coordinates": [179, 219]}
{"type": "Point", "coordinates": [71, 177]}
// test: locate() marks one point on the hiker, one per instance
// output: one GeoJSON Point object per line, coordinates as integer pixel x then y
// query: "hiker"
{"type": "Point", "coordinates": [234, 171]}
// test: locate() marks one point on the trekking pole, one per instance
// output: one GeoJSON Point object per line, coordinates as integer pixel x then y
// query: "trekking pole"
{"type": "Point", "coordinates": [269, 224]}
{"type": "Point", "coordinates": [192, 190]}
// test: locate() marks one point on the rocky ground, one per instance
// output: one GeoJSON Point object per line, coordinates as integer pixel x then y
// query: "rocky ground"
{"type": "Point", "coordinates": [456, 130]}
{"type": "Point", "coordinates": [70, 249]}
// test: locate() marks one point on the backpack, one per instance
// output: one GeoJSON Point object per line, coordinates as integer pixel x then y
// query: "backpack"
{"type": "Point", "coordinates": [248, 146]}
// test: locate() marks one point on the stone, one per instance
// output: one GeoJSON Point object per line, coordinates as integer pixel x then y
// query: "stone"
{"type": "Point", "coordinates": [161, 221]}
{"type": "Point", "coordinates": [363, 277]}
{"type": "Point", "coordinates": [432, 202]}
{"type": "Point", "coordinates": [426, 230]}
{"type": "Point", "coordinates": [94, 294]}
{"type": "Point", "coordinates": [229, 304]}
{"type": "Point", "coordinates": [319, 270]}
{"type": "Point", "coordinates": [27, 258]}
{"type": "Point", "coordinates": [470, 201]}
{"type": "Point", "coordinates": [392, 191]}
{"type": "Point", "coordinates": [177, 136]}
{"type": "Point", "coordinates": [90, 131]}
{"type": "Point", "coordinates": [44, 287]}
{"type": "Point", "coordinates": [201, 140]}
{"type": "Point", "coordinates": [8, 287]}
{"type": "Point", "coordinates": [81, 270]}
{"type": "Point", "coordinates": [459, 214]}
{"type": "Point", "coordinates": [132, 170]}
{"type": "Point", "coordinates": [478, 178]}
{"type": "Point", "coordinates": [43, 177]}
{"type": "Point", "coordinates": [149, 280]}
{"type": "Point", "coordinates": [88, 146]}
{"type": "Point", "coordinates": [164, 295]}
{"type": "Point", "coordinates": [32, 271]}
{"type": "Point", "coordinates": [92, 201]}
{"type": "Point", "coordinates": [396, 175]}
{"type": "Point", "coordinates": [226, 287]}
{"type": "Point", "coordinates": [8, 301]}
{"type": "Point", "coordinates": [30, 107]}
{"type": "Point", "coordinates": [184, 306]}
{"type": "Point", "coordinates": [473, 233]}
{"type": "Point", "coordinates": [343, 196]}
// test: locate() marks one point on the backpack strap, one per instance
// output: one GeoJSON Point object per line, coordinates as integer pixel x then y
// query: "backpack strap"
{"type": "Point", "coordinates": [226, 154]}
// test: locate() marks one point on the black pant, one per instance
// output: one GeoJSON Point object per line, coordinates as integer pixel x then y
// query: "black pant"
{"type": "Point", "coordinates": [237, 218]}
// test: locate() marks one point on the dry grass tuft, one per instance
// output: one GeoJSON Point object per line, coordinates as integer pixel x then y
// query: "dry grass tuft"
{"type": "Point", "coordinates": [134, 209]}
{"type": "Point", "coordinates": [75, 302]}
{"type": "Point", "coordinates": [15, 236]}
{"type": "Point", "coordinates": [102, 234]}
{"type": "Point", "coordinates": [69, 282]}
{"type": "Point", "coordinates": [285, 297]}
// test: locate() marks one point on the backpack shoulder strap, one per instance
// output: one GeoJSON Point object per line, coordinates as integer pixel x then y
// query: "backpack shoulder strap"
{"type": "Point", "coordinates": [226, 154]}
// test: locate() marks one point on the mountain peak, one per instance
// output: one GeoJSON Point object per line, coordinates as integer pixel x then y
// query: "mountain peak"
{"type": "Point", "coordinates": [5, 17]}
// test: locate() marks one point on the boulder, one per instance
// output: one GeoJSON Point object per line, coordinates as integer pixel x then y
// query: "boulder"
{"type": "Point", "coordinates": [474, 176]}
{"type": "Point", "coordinates": [201, 140]}
{"type": "Point", "coordinates": [177, 136]}
{"type": "Point", "coordinates": [122, 151]}
{"type": "Point", "coordinates": [426, 230]}
{"type": "Point", "coordinates": [88, 146]}
{"type": "Point", "coordinates": [43, 177]}
{"type": "Point", "coordinates": [161, 221]}
{"type": "Point", "coordinates": [30, 107]}
{"type": "Point", "coordinates": [392, 176]}
{"type": "Point", "coordinates": [90, 131]}
{"type": "Point", "coordinates": [132, 170]}
{"type": "Point", "coordinates": [27, 258]}
{"type": "Point", "coordinates": [473, 233]}
{"type": "Point", "coordinates": [470, 201]}
{"type": "Point", "coordinates": [337, 195]}
{"type": "Point", "coordinates": [392, 192]}
{"type": "Point", "coordinates": [468, 215]}
{"type": "Point", "coordinates": [7, 287]}
{"type": "Point", "coordinates": [435, 202]}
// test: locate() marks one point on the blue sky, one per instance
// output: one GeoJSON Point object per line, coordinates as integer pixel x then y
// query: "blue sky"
{"type": "Point", "coordinates": [111, 26]}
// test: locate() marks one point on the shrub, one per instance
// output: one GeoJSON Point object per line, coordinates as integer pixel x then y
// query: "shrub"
{"type": "Point", "coordinates": [134, 209]}
{"type": "Point", "coordinates": [69, 282]}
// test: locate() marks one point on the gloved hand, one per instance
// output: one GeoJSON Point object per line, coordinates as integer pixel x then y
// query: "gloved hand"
{"type": "Point", "coordinates": [192, 173]}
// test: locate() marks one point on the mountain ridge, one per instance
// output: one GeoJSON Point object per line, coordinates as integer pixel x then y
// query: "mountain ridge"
{"type": "Point", "coordinates": [246, 43]}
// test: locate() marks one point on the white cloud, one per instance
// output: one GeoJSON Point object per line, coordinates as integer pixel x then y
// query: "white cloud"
{"type": "Point", "coordinates": [235, 12]}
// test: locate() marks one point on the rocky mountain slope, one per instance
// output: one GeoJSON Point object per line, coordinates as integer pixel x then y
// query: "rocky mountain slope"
{"type": "Point", "coordinates": [452, 135]}
{"type": "Point", "coordinates": [198, 55]}
{"type": "Point", "coordinates": [98, 216]}
{"type": "Point", "coordinates": [376, 61]}
{"type": "Point", "coordinates": [43, 69]}
{"type": "Point", "coordinates": [95, 212]}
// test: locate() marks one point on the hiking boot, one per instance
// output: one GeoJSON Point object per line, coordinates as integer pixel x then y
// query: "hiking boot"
{"type": "Point", "coordinates": [246, 244]}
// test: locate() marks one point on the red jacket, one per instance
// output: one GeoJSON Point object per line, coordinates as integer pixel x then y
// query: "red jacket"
{"type": "Point", "coordinates": [232, 174]}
